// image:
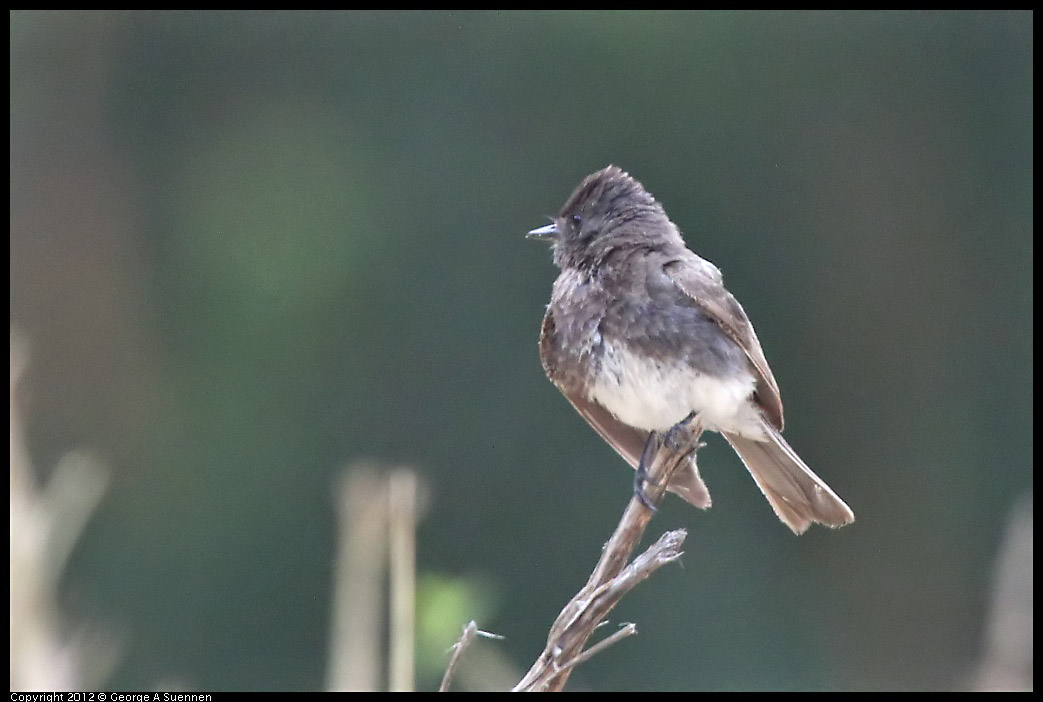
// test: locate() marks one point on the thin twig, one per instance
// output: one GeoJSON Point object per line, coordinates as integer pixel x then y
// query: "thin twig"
{"type": "Point", "coordinates": [470, 631]}
{"type": "Point", "coordinates": [612, 577]}
{"type": "Point", "coordinates": [624, 631]}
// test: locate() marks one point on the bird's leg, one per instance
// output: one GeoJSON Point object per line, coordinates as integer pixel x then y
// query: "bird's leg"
{"type": "Point", "coordinates": [641, 475]}
{"type": "Point", "coordinates": [672, 437]}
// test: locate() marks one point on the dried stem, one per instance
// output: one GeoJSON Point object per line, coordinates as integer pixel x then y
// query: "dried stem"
{"type": "Point", "coordinates": [470, 631]}
{"type": "Point", "coordinates": [402, 512]}
{"type": "Point", "coordinates": [612, 578]}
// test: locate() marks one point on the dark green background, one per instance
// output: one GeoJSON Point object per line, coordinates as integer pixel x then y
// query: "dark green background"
{"type": "Point", "coordinates": [247, 249]}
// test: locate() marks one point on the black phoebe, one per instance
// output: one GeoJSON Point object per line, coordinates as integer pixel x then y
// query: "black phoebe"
{"type": "Point", "coordinates": [640, 335]}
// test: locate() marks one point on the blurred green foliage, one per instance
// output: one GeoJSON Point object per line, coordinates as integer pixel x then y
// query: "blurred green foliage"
{"type": "Point", "coordinates": [442, 603]}
{"type": "Point", "coordinates": [250, 247]}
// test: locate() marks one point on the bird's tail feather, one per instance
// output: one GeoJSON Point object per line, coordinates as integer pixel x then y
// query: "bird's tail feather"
{"type": "Point", "coordinates": [798, 496]}
{"type": "Point", "coordinates": [689, 485]}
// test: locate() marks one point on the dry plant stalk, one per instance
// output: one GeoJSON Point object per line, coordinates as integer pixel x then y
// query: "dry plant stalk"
{"type": "Point", "coordinates": [470, 631]}
{"type": "Point", "coordinates": [360, 568]}
{"type": "Point", "coordinates": [378, 511]}
{"type": "Point", "coordinates": [46, 524]}
{"type": "Point", "coordinates": [402, 513]}
{"type": "Point", "coordinates": [612, 577]}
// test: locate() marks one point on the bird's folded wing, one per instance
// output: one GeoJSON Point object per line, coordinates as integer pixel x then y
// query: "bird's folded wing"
{"type": "Point", "coordinates": [701, 281]}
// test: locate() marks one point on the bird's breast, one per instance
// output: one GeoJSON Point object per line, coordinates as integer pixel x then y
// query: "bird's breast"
{"type": "Point", "coordinates": [570, 343]}
{"type": "Point", "coordinates": [654, 394]}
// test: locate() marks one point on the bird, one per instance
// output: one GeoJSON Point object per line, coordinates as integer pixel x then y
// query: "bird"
{"type": "Point", "coordinates": [641, 336]}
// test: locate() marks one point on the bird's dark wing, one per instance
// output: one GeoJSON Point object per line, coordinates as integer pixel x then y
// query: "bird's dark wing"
{"type": "Point", "coordinates": [701, 281]}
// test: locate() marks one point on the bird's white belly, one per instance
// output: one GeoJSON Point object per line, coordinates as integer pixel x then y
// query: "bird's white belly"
{"type": "Point", "coordinates": [654, 396]}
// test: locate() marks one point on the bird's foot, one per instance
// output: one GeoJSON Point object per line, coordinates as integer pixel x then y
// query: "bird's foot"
{"type": "Point", "coordinates": [674, 438]}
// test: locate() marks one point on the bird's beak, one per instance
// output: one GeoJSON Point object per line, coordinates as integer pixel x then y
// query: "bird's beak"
{"type": "Point", "coordinates": [547, 233]}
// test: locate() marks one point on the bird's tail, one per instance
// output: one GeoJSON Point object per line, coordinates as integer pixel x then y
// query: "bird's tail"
{"type": "Point", "coordinates": [688, 484]}
{"type": "Point", "coordinates": [798, 496]}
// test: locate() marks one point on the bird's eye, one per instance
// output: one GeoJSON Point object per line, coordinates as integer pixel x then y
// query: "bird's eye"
{"type": "Point", "coordinates": [577, 220]}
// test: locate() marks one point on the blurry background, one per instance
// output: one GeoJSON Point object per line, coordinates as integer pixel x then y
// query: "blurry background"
{"type": "Point", "coordinates": [249, 249]}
